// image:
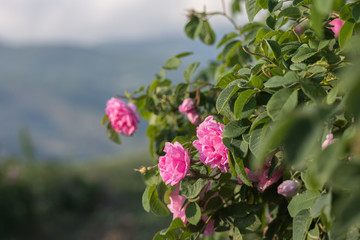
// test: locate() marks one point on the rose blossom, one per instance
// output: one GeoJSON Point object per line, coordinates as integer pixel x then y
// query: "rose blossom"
{"type": "Point", "coordinates": [176, 203]}
{"type": "Point", "coordinates": [337, 24]}
{"type": "Point", "coordinates": [194, 117]}
{"type": "Point", "coordinates": [175, 164]}
{"type": "Point", "coordinates": [123, 118]}
{"type": "Point", "coordinates": [264, 181]}
{"type": "Point", "coordinates": [328, 141]}
{"type": "Point", "coordinates": [187, 106]}
{"type": "Point", "coordinates": [288, 188]}
{"type": "Point", "coordinates": [211, 149]}
{"type": "Point", "coordinates": [253, 176]}
{"type": "Point", "coordinates": [261, 176]}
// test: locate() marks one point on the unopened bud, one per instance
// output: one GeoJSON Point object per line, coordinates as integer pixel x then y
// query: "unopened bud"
{"type": "Point", "coordinates": [142, 170]}
{"type": "Point", "coordinates": [288, 188]}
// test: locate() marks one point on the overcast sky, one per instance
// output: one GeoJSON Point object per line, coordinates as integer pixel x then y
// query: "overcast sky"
{"type": "Point", "coordinates": [95, 21]}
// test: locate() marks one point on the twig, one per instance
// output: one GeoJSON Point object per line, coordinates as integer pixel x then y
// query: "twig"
{"type": "Point", "coordinates": [256, 54]}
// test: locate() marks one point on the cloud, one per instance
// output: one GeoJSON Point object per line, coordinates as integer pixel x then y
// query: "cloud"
{"type": "Point", "coordinates": [94, 21]}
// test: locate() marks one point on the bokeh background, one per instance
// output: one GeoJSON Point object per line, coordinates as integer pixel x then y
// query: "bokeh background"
{"type": "Point", "coordinates": [60, 61]}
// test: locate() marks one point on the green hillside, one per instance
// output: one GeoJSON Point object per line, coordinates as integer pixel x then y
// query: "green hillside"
{"type": "Point", "coordinates": [59, 93]}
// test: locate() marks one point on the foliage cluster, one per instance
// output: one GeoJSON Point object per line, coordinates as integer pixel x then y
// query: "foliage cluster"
{"type": "Point", "coordinates": [280, 86]}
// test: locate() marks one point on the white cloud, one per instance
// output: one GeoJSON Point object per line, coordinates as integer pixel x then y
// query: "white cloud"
{"type": "Point", "coordinates": [93, 21]}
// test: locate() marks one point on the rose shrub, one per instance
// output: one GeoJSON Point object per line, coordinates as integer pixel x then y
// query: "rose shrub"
{"type": "Point", "coordinates": [263, 164]}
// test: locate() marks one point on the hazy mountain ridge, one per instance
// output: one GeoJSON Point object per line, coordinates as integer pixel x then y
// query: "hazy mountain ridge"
{"type": "Point", "coordinates": [59, 92]}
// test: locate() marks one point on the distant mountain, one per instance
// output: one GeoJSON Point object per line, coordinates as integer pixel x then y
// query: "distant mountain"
{"type": "Point", "coordinates": [59, 93]}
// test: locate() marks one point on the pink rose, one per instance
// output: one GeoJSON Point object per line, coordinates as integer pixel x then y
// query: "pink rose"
{"type": "Point", "coordinates": [264, 181]}
{"type": "Point", "coordinates": [253, 176]}
{"type": "Point", "coordinates": [337, 24]}
{"type": "Point", "coordinates": [328, 141]}
{"type": "Point", "coordinates": [194, 117]}
{"type": "Point", "coordinates": [176, 203]}
{"type": "Point", "coordinates": [175, 164]}
{"type": "Point", "coordinates": [288, 188]}
{"type": "Point", "coordinates": [187, 106]}
{"type": "Point", "coordinates": [123, 118]}
{"type": "Point", "coordinates": [261, 176]}
{"type": "Point", "coordinates": [211, 149]}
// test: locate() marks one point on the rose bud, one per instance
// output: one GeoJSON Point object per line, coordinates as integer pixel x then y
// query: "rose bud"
{"type": "Point", "coordinates": [288, 188]}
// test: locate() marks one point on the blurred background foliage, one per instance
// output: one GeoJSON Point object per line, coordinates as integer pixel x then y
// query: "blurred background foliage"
{"type": "Point", "coordinates": [97, 199]}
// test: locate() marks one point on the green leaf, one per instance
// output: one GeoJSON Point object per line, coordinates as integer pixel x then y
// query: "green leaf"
{"type": "Point", "coordinates": [345, 13]}
{"type": "Point", "coordinates": [274, 5]}
{"type": "Point", "coordinates": [293, 12]}
{"type": "Point", "coordinates": [156, 205]}
{"type": "Point", "coordinates": [172, 63]}
{"type": "Point", "coordinates": [282, 102]}
{"type": "Point", "coordinates": [298, 67]}
{"type": "Point", "coordinates": [322, 204]}
{"type": "Point", "coordinates": [313, 91]}
{"type": "Point", "coordinates": [225, 79]}
{"type": "Point", "coordinates": [262, 118]}
{"type": "Point", "coordinates": [158, 236]}
{"type": "Point", "coordinates": [275, 47]}
{"type": "Point", "coordinates": [226, 95]}
{"type": "Point", "coordinates": [301, 2]}
{"type": "Point", "coordinates": [104, 119]}
{"type": "Point", "coordinates": [207, 35]}
{"type": "Point", "coordinates": [190, 188]}
{"type": "Point", "coordinates": [324, 6]}
{"type": "Point", "coordinates": [226, 38]}
{"type": "Point", "coordinates": [345, 34]}
{"type": "Point", "coordinates": [189, 71]}
{"type": "Point", "coordinates": [302, 201]}
{"type": "Point", "coordinates": [249, 223]}
{"type": "Point", "coordinates": [193, 213]}
{"type": "Point", "coordinates": [301, 224]}
{"type": "Point", "coordinates": [302, 54]}
{"type": "Point", "coordinates": [241, 100]}
{"type": "Point", "coordinates": [257, 137]}
{"type": "Point", "coordinates": [184, 54]}
{"type": "Point", "coordinates": [251, 9]}
{"type": "Point", "coordinates": [317, 20]}
{"type": "Point", "coordinates": [278, 81]}
{"type": "Point", "coordinates": [317, 69]}
{"type": "Point", "coordinates": [145, 197]}
{"type": "Point", "coordinates": [331, 97]}
{"type": "Point", "coordinates": [112, 135]}
{"type": "Point", "coordinates": [237, 234]}
{"type": "Point", "coordinates": [193, 27]}
{"type": "Point", "coordinates": [356, 12]}
{"type": "Point", "coordinates": [240, 170]}
{"type": "Point", "coordinates": [256, 82]}
{"type": "Point", "coordinates": [234, 129]}
{"type": "Point", "coordinates": [176, 223]}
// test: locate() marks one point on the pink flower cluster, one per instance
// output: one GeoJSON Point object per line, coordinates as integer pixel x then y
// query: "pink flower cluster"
{"type": "Point", "coordinates": [123, 118]}
{"type": "Point", "coordinates": [211, 149]}
{"type": "Point", "coordinates": [337, 23]}
{"type": "Point", "coordinates": [188, 107]}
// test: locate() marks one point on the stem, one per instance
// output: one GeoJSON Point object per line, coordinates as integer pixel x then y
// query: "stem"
{"type": "Point", "coordinates": [297, 36]}
{"type": "Point", "coordinates": [256, 54]}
